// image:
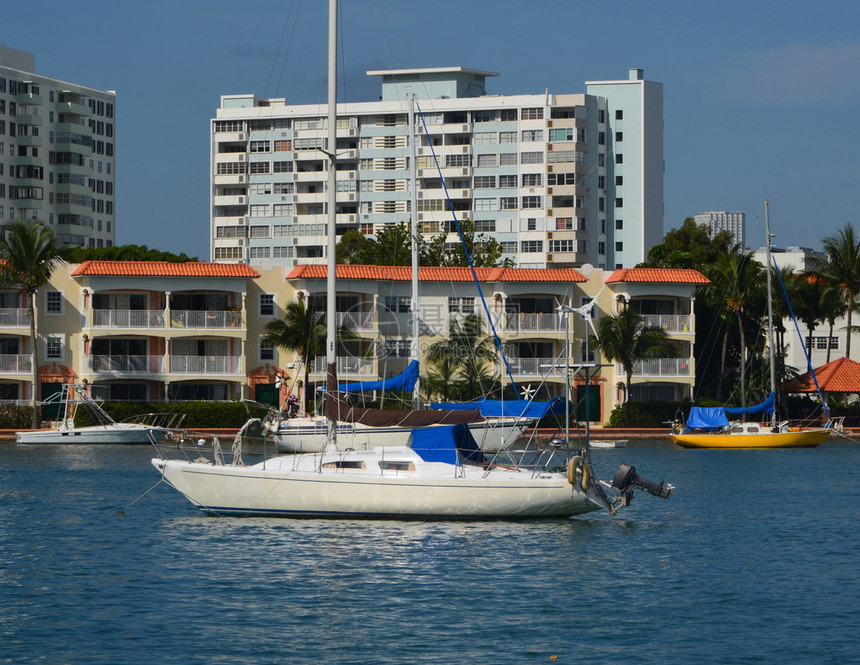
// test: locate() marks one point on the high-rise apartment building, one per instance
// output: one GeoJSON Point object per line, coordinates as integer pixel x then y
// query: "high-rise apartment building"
{"type": "Point", "coordinates": [733, 222]}
{"type": "Point", "coordinates": [57, 161]}
{"type": "Point", "coordinates": [558, 179]}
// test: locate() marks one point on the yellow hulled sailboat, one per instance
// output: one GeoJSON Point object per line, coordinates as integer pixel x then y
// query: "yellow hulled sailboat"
{"type": "Point", "coordinates": [710, 427]}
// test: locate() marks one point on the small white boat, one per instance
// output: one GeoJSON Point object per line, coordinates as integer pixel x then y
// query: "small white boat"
{"type": "Point", "coordinates": [599, 443]}
{"type": "Point", "coordinates": [106, 431]}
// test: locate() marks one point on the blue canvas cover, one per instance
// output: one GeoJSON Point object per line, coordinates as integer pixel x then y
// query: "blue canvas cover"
{"type": "Point", "coordinates": [767, 406]}
{"type": "Point", "coordinates": [521, 408]}
{"type": "Point", "coordinates": [452, 444]}
{"type": "Point", "coordinates": [707, 418]}
{"type": "Point", "coordinates": [404, 381]}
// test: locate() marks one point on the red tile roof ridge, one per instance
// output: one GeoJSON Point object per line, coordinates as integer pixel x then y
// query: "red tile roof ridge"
{"type": "Point", "coordinates": [438, 274]}
{"type": "Point", "coordinates": [163, 269]}
{"type": "Point", "coordinates": [658, 275]}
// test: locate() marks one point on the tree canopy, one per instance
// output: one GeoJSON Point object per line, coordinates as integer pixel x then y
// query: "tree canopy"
{"type": "Point", "coordinates": [125, 253]}
{"type": "Point", "coordinates": [689, 246]}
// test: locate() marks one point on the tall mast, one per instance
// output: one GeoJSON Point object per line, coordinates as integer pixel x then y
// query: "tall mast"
{"type": "Point", "coordinates": [413, 207]}
{"type": "Point", "coordinates": [331, 262]}
{"type": "Point", "coordinates": [771, 349]}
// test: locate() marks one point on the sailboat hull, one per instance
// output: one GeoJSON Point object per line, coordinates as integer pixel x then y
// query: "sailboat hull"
{"type": "Point", "coordinates": [301, 486]}
{"type": "Point", "coordinates": [797, 439]}
{"type": "Point", "coordinates": [308, 435]}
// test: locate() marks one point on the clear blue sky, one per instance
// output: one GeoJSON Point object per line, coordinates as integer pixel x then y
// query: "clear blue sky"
{"type": "Point", "coordinates": [762, 99]}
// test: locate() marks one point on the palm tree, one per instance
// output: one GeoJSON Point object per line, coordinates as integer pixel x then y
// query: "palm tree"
{"type": "Point", "coordinates": [29, 254]}
{"type": "Point", "coordinates": [736, 279]}
{"type": "Point", "coordinates": [626, 338]}
{"type": "Point", "coordinates": [302, 331]}
{"type": "Point", "coordinates": [840, 268]}
{"type": "Point", "coordinates": [465, 354]}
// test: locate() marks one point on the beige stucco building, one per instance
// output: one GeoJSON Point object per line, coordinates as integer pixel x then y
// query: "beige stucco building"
{"type": "Point", "coordinates": [166, 331]}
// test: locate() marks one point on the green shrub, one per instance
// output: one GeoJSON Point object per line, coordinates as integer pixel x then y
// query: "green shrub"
{"type": "Point", "coordinates": [13, 416]}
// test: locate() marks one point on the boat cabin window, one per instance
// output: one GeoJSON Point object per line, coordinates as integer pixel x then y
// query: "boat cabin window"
{"type": "Point", "coordinates": [396, 466]}
{"type": "Point", "coordinates": [344, 464]}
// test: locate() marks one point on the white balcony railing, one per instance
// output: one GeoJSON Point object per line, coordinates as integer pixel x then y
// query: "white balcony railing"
{"type": "Point", "coordinates": [205, 319]}
{"type": "Point", "coordinates": [533, 322]}
{"type": "Point", "coordinates": [346, 366]}
{"type": "Point", "coordinates": [536, 366]}
{"type": "Point", "coordinates": [14, 317]}
{"type": "Point", "coordinates": [659, 367]}
{"type": "Point", "coordinates": [16, 363]}
{"type": "Point", "coordinates": [355, 320]}
{"type": "Point", "coordinates": [127, 364]}
{"type": "Point", "coordinates": [205, 364]}
{"type": "Point", "coordinates": [669, 322]}
{"type": "Point", "coordinates": [128, 318]}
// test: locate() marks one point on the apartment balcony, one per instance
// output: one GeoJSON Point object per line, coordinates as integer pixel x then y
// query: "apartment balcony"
{"type": "Point", "coordinates": [347, 367]}
{"type": "Point", "coordinates": [660, 367]}
{"type": "Point", "coordinates": [12, 318]}
{"type": "Point", "coordinates": [533, 322]}
{"type": "Point", "coordinates": [669, 322]}
{"type": "Point", "coordinates": [207, 320]}
{"type": "Point", "coordinates": [30, 119]}
{"type": "Point", "coordinates": [126, 364]}
{"type": "Point", "coordinates": [535, 366]}
{"type": "Point", "coordinates": [209, 365]}
{"type": "Point", "coordinates": [27, 98]}
{"type": "Point", "coordinates": [16, 364]}
{"type": "Point", "coordinates": [71, 107]}
{"type": "Point", "coordinates": [356, 321]}
{"type": "Point", "coordinates": [128, 318]}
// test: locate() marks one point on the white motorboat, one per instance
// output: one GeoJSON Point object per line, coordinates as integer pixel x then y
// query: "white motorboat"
{"type": "Point", "coordinates": [606, 443]}
{"type": "Point", "coordinates": [73, 397]}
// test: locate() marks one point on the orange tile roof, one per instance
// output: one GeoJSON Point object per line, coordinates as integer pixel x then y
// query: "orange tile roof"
{"type": "Point", "coordinates": [839, 376]}
{"type": "Point", "coordinates": [433, 274]}
{"type": "Point", "coordinates": [658, 275]}
{"type": "Point", "coordinates": [164, 269]}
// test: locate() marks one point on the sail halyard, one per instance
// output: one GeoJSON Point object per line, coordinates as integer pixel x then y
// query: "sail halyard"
{"type": "Point", "coordinates": [413, 212]}
{"type": "Point", "coordinates": [770, 344]}
{"type": "Point", "coordinates": [331, 259]}
{"type": "Point", "coordinates": [469, 258]}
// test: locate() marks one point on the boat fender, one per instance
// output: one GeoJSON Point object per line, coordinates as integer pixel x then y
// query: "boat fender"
{"type": "Point", "coordinates": [576, 463]}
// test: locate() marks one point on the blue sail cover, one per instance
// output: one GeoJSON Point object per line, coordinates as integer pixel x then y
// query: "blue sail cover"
{"type": "Point", "coordinates": [707, 418]}
{"type": "Point", "coordinates": [405, 381]}
{"type": "Point", "coordinates": [767, 406]}
{"type": "Point", "coordinates": [494, 408]}
{"type": "Point", "coordinates": [452, 444]}
{"type": "Point", "coordinates": [716, 417]}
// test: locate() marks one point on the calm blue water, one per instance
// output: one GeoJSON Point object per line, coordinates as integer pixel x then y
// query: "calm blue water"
{"type": "Point", "coordinates": [753, 560]}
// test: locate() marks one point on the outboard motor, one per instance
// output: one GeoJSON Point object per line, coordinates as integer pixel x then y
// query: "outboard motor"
{"type": "Point", "coordinates": [626, 480]}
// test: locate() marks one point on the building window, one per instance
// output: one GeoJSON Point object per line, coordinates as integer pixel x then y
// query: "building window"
{"type": "Point", "coordinates": [619, 158]}
{"type": "Point", "coordinates": [619, 180]}
{"type": "Point", "coordinates": [561, 245]}
{"type": "Point", "coordinates": [619, 202]}
{"type": "Point", "coordinates": [508, 159]}
{"type": "Point", "coordinates": [53, 302]}
{"type": "Point", "coordinates": [485, 204]}
{"type": "Point", "coordinates": [532, 202]}
{"type": "Point", "coordinates": [509, 247]}
{"type": "Point", "coordinates": [507, 137]}
{"type": "Point", "coordinates": [508, 203]}
{"type": "Point", "coordinates": [564, 224]}
{"type": "Point", "coordinates": [619, 246]}
{"type": "Point", "coordinates": [464, 305]}
{"type": "Point", "coordinates": [400, 304]}
{"type": "Point", "coordinates": [531, 224]}
{"type": "Point", "coordinates": [561, 134]}
{"type": "Point", "coordinates": [532, 179]}
{"type": "Point", "coordinates": [485, 161]}
{"type": "Point", "coordinates": [54, 346]}
{"type": "Point", "coordinates": [619, 136]}
{"type": "Point", "coordinates": [259, 167]}
{"type": "Point", "coordinates": [458, 160]}
{"type": "Point", "coordinates": [283, 146]}
{"type": "Point", "coordinates": [508, 115]}
{"type": "Point", "coordinates": [260, 252]}
{"type": "Point", "coordinates": [485, 182]}
{"type": "Point", "coordinates": [267, 304]}
{"type": "Point", "coordinates": [532, 135]}
{"type": "Point", "coordinates": [532, 114]}
{"type": "Point", "coordinates": [227, 253]}
{"type": "Point", "coordinates": [531, 158]}
{"type": "Point", "coordinates": [259, 146]}
{"type": "Point", "coordinates": [283, 167]}
{"type": "Point", "coordinates": [619, 224]}
{"type": "Point", "coordinates": [531, 246]}
{"type": "Point", "coordinates": [507, 181]}
{"type": "Point", "coordinates": [266, 352]}
{"type": "Point", "coordinates": [562, 179]}
{"type": "Point", "coordinates": [619, 115]}
{"type": "Point", "coordinates": [260, 211]}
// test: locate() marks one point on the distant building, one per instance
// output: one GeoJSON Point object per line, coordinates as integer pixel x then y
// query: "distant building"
{"type": "Point", "coordinates": [733, 222]}
{"type": "Point", "coordinates": [559, 180]}
{"type": "Point", "coordinates": [57, 161]}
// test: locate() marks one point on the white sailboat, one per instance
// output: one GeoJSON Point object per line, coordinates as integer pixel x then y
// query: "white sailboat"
{"type": "Point", "coordinates": [106, 430]}
{"type": "Point", "coordinates": [441, 475]}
